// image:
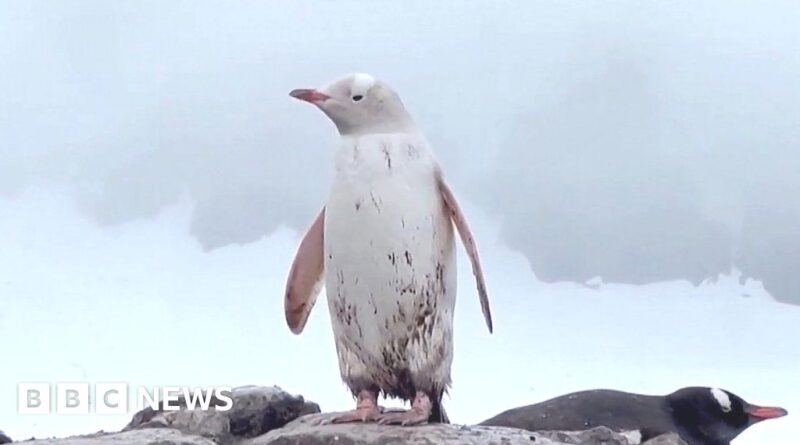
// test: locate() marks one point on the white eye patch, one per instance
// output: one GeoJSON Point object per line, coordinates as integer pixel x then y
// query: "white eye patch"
{"type": "Point", "coordinates": [361, 84]}
{"type": "Point", "coordinates": [722, 398]}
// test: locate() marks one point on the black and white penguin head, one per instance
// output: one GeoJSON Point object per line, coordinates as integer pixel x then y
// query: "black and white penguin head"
{"type": "Point", "coordinates": [716, 414]}
{"type": "Point", "coordinates": [359, 104]}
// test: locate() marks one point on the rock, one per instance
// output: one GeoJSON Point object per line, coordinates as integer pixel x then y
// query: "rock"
{"type": "Point", "coordinates": [153, 436]}
{"type": "Point", "coordinates": [666, 439]}
{"type": "Point", "coordinates": [256, 410]}
{"type": "Point", "coordinates": [302, 432]}
{"type": "Point", "coordinates": [297, 433]}
{"type": "Point", "coordinates": [270, 416]}
{"type": "Point", "coordinates": [4, 438]}
{"type": "Point", "coordinates": [597, 435]}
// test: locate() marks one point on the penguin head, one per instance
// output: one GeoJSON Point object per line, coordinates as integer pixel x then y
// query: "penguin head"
{"type": "Point", "coordinates": [717, 415]}
{"type": "Point", "coordinates": [359, 104]}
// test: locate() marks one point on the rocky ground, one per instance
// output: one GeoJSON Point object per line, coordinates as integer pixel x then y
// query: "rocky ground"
{"type": "Point", "coordinates": [270, 416]}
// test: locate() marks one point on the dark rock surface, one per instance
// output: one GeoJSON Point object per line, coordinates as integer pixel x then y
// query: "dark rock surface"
{"type": "Point", "coordinates": [4, 438]}
{"type": "Point", "coordinates": [153, 436]}
{"type": "Point", "coordinates": [665, 439]}
{"type": "Point", "coordinates": [256, 410]}
{"type": "Point", "coordinates": [298, 433]}
{"type": "Point", "coordinates": [301, 432]}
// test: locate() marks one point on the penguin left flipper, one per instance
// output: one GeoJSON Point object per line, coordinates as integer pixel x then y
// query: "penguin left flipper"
{"type": "Point", "coordinates": [460, 222]}
{"type": "Point", "coordinates": [306, 276]}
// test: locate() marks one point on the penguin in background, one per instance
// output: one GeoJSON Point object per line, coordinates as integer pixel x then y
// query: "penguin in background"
{"type": "Point", "coordinates": [699, 415]}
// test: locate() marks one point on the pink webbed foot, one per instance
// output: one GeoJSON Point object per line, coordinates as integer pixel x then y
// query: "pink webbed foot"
{"type": "Point", "coordinates": [418, 414]}
{"type": "Point", "coordinates": [367, 410]}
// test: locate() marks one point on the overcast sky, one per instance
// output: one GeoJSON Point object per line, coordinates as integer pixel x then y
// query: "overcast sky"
{"type": "Point", "coordinates": [638, 141]}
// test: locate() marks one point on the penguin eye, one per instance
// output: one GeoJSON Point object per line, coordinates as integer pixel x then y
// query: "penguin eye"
{"type": "Point", "coordinates": [357, 97]}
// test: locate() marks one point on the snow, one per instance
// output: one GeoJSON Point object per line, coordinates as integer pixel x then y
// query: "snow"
{"type": "Point", "coordinates": [142, 303]}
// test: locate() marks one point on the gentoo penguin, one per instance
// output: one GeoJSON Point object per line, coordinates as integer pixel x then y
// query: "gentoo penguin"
{"type": "Point", "coordinates": [384, 244]}
{"type": "Point", "coordinates": [699, 415]}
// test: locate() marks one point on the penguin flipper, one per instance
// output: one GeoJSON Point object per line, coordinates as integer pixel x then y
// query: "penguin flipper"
{"type": "Point", "coordinates": [460, 222]}
{"type": "Point", "coordinates": [305, 276]}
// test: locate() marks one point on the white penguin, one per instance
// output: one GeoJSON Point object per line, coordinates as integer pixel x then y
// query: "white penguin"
{"type": "Point", "coordinates": [385, 245]}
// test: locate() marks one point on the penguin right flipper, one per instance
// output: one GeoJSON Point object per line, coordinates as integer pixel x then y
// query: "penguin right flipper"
{"type": "Point", "coordinates": [306, 276]}
{"type": "Point", "coordinates": [460, 223]}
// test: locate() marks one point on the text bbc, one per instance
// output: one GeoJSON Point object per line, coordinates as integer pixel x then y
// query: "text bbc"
{"type": "Point", "coordinates": [115, 398]}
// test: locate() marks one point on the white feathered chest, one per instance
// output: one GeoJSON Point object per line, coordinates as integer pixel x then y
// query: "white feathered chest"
{"type": "Point", "coordinates": [390, 264]}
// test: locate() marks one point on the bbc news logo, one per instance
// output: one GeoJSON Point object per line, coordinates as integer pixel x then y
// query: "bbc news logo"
{"type": "Point", "coordinates": [114, 398]}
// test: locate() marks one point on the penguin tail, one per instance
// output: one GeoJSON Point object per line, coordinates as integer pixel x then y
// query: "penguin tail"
{"type": "Point", "coordinates": [438, 415]}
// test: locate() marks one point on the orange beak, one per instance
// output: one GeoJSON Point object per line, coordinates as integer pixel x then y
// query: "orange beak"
{"type": "Point", "coordinates": [311, 96]}
{"type": "Point", "coordinates": [759, 413]}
